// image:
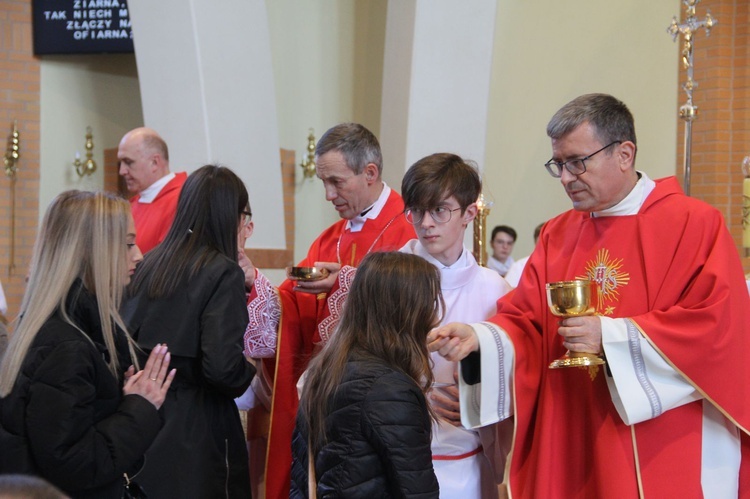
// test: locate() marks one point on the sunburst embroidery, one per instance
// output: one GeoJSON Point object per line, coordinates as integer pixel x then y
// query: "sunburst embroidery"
{"type": "Point", "coordinates": [607, 273]}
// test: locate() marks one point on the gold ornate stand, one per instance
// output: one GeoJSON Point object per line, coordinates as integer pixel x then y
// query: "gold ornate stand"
{"type": "Point", "coordinates": [480, 230]}
{"type": "Point", "coordinates": [10, 161]}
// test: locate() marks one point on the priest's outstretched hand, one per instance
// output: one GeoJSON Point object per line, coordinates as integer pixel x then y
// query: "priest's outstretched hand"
{"type": "Point", "coordinates": [321, 285]}
{"type": "Point", "coordinates": [454, 341]}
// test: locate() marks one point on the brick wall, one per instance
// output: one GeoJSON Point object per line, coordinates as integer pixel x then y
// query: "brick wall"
{"type": "Point", "coordinates": [722, 129]}
{"type": "Point", "coordinates": [19, 100]}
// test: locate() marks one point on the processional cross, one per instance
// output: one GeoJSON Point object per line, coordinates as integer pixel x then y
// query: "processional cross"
{"type": "Point", "coordinates": [689, 111]}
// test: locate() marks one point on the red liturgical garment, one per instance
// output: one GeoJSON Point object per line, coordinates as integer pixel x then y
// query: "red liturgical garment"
{"type": "Point", "coordinates": [672, 272]}
{"type": "Point", "coordinates": [153, 220]}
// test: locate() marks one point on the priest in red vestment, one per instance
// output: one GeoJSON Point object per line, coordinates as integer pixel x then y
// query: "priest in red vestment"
{"type": "Point", "coordinates": [349, 163]}
{"type": "Point", "coordinates": [669, 413]}
{"type": "Point", "coordinates": [143, 161]}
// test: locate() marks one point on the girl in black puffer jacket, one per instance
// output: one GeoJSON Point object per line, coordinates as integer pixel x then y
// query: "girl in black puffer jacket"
{"type": "Point", "coordinates": [71, 409]}
{"type": "Point", "coordinates": [363, 414]}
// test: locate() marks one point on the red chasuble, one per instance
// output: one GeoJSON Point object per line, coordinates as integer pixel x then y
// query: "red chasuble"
{"type": "Point", "coordinates": [298, 330]}
{"type": "Point", "coordinates": [153, 220]}
{"type": "Point", "coordinates": [674, 272]}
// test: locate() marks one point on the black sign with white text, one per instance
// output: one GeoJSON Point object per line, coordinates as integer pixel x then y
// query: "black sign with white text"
{"type": "Point", "coordinates": [81, 26]}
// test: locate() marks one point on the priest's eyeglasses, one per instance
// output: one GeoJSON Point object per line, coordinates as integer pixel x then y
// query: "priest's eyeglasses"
{"type": "Point", "coordinates": [440, 214]}
{"type": "Point", "coordinates": [574, 166]}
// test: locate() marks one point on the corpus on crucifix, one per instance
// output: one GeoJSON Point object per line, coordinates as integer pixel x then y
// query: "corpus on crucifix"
{"type": "Point", "coordinates": [689, 111]}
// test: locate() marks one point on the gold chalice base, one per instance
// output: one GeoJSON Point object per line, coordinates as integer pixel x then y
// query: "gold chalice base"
{"type": "Point", "coordinates": [576, 359]}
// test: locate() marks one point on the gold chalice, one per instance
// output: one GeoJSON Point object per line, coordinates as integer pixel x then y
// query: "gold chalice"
{"type": "Point", "coordinates": [572, 299]}
{"type": "Point", "coordinates": [306, 273]}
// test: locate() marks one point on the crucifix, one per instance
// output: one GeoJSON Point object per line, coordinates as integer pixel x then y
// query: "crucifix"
{"type": "Point", "coordinates": [689, 111]}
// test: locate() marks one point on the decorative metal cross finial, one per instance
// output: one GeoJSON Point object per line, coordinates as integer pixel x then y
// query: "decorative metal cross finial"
{"type": "Point", "coordinates": [689, 111]}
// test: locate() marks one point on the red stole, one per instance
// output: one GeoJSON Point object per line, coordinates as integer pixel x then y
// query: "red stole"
{"type": "Point", "coordinates": [298, 330]}
{"type": "Point", "coordinates": [686, 295]}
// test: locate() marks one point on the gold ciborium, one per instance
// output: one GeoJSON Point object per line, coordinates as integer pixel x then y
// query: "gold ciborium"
{"type": "Point", "coordinates": [572, 299]}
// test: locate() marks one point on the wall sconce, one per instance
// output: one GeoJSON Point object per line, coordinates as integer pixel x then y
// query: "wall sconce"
{"type": "Point", "coordinates": [89, 166]}
{"type": "Point", "coordinates": [308, 162]}
{"type": "Point", "coordinates": [10, 159]}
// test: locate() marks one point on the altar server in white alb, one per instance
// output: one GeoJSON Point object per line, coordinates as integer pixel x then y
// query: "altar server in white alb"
{"type": "Point", "coordinates": [440, 193]}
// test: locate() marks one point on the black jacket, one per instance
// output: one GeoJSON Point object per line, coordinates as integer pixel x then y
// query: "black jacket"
{"type": "Point", "coordinates": [202, 450]}
{"type": "Point", "coordinates": [66, 419]}
{"type": "Point", "coordinates": [378, 439]}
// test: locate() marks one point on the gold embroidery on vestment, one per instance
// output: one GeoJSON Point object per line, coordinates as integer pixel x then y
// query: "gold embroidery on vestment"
{"type": "Point", "coordinates": [607, 273]}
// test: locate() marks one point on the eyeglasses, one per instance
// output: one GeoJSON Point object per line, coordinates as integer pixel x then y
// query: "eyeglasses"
{"type": "Point", "coordinates": [574, 166]}
{"type": "Point", "coordinates": [440, 214]}
{"type": "Point", "coordinates": [247, 217]}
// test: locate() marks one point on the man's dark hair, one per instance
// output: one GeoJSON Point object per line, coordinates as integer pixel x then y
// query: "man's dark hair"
{"type": "Point", "coordinates": [610, 118]}
{"type": "Point", "coordinates": [504, 228]}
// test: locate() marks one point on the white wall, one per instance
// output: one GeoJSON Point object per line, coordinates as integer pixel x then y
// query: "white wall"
{"type": "Point", "coordinates": [328, 66]}
{"type": "Point", "coordinates": [548, 52]}
{"type": "Point", "coordinates": [100, 91]}
{"type": "Point", "coordinates": [436, 83]}
{"type": "Point", "coordinates": [207, 88]}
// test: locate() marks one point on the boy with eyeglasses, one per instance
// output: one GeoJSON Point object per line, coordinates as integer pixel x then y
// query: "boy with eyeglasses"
{"type": "Point", "coordinates": [440, 193]}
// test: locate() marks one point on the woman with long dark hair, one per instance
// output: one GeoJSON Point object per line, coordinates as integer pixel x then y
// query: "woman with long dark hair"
{"type": "Point", "coordinates": [71, 410]}
{"type": "Point", "coordinates": [189, 293]}
{"type": "Point", "coordinates": [363, 416]}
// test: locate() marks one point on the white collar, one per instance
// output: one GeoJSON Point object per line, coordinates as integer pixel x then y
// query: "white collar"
{"type": "Point", "coordinates": [463, 260]}
{"type": "Point", "coordinates": [356, 223]}
{"type": "Point", "coordinates": [633, 201]}
{"type": "Point", "coordinates": [149, 193]}
{"type": "Point", "coordinates": [462, 272]}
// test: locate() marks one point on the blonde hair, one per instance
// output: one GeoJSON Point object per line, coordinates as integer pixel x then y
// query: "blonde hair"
{"type": "Point", "coordinates": [82, 236]}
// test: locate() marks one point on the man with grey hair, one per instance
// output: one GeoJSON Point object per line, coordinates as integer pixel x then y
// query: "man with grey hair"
{"type": "Point", "coordinates": [349, 162]}
{"type": "Point", "coordinates": [143, 161]}
{"type": "Point", "coordinates": [669, 413]}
